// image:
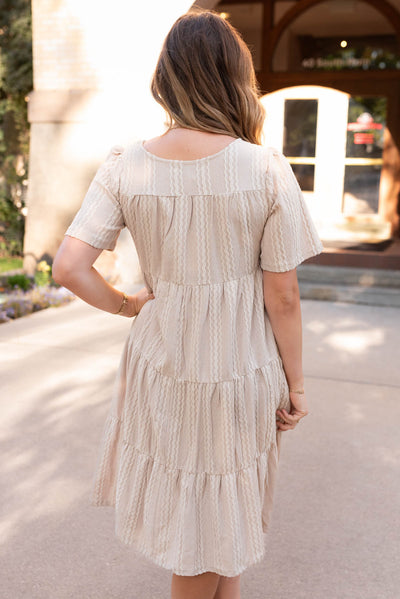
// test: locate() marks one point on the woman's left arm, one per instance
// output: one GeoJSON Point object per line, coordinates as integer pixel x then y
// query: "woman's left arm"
{"type": "Point", "coordinates": [73, 268]}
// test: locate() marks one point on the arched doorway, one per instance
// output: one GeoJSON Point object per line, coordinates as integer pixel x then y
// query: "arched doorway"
{"type": "Point", "coordinates": [334, 143]}
{"type": "Point", "coordinates": [351, 47]}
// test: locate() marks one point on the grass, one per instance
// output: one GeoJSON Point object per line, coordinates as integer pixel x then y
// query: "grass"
{"type": "Point", "coordinates": [7, 264]}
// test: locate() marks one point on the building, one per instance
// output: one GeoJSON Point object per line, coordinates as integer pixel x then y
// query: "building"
{"type": "Point", "coordinates": [329, 71]}
{"type": "Point", "coordinates": [330, 74]}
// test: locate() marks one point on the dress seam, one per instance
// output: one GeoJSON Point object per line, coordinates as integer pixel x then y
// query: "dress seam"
{"type": "Point", "coordinates": [191, 195]}
{"type": "Point", "coordinates": [168, 469]}
{"type": "Point", "coordinates": [190, 381]}
{"type": "Point", "coordinates": [247, 274]}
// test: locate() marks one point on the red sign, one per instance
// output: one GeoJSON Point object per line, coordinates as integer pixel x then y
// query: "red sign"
{"type": "Point", "coordinates": [363, 138]}
{"type": "Point", "coordinates": [365, 122]}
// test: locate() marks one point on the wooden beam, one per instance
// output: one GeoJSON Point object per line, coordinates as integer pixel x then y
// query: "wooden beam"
{"type": "Point", "coordinates": [374, 81]}
{"type": "Point", "coordinates": [267, 29]}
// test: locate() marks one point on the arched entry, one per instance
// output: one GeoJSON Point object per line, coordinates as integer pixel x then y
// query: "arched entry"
{"type": "Point", "coordinates": [351, 47]}
{"type": "Point", "coordinates": [335, 147]}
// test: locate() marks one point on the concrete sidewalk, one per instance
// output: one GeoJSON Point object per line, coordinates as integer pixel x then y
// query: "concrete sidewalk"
{"type": "Point", "coordinates": [335, 528]}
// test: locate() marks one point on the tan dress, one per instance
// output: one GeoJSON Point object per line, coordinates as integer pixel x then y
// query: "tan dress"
{"type": "Point", "coordinates": [190, 448]}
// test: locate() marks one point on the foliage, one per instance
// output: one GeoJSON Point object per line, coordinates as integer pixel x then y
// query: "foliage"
{"type": "Point", "coordinates": [41, 278]}
{"type": "Point", "coordinates": [20, 281]}
{"type": "Point", "coordinates": [15, 84]}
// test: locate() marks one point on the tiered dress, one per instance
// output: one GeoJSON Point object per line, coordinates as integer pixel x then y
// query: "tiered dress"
{"type": "Point", "coordinates": [190, 447]}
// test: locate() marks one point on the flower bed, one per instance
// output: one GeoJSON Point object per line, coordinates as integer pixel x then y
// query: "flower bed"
{"type": "Point", "coordinates": [19, 303]}
{"type": "Point", "coordinates": [21, 295]}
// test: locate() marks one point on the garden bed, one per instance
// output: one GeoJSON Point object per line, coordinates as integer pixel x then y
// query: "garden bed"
{"type": "Point", "coordinates": [21, 295]}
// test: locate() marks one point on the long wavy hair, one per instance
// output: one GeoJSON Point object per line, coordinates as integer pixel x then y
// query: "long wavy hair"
{"type": "Point", "coordinates": [205, 79]}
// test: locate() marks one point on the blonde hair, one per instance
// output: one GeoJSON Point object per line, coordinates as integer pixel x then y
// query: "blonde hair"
{"type": "Point", "coordinates": [205, 79]}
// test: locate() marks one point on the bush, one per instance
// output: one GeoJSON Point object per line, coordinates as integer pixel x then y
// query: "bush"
{"type": "Point", "coordinates": [21, 281]}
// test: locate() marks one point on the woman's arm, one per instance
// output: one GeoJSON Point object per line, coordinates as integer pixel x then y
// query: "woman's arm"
{"type": "Point", "coordinates": [73, 268]}
{"type": "Point", "coordinates": [282, 302]}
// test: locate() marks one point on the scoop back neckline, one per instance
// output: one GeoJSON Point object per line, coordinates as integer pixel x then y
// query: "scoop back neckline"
{"type": "Point", "coordinates": [194, 160]}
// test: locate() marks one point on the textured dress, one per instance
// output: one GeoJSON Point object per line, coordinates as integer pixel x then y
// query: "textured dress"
{"type": "Point", "coordinates": [190, 447]}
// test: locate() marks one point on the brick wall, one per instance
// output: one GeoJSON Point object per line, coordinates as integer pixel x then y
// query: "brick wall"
{"type": "Point", "coordinates": [61, 57]}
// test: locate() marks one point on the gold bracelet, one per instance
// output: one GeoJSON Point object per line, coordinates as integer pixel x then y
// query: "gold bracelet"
{"type": "Point", "coordinates": [124, 302]}
{"type": "Point", "coordinates": [298, 391]}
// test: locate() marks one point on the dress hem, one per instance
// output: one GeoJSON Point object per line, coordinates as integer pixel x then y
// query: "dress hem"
{"type": "Point", "coordinates": [137, 544]}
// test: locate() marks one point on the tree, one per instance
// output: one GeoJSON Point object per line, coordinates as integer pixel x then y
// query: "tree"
{"type": "Point", "coordinates": [15, 84]}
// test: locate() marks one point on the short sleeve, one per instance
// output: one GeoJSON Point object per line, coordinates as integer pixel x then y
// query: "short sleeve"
{"type": "Point", "coordinates": [289, 236]}
{"type": "Point", "coordinates": [99, 220]}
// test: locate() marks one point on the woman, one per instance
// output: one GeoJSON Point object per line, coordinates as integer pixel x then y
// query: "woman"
{"type": "Point", "coordinates": [211, 372]}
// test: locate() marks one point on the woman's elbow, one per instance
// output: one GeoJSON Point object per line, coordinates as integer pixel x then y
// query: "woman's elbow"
{"type": "Point", "coordinates": [62, 270]}
{"type": "Point", "coordinates": [284, 302]}
{"type": "Point", "coordinates": [281, 289]}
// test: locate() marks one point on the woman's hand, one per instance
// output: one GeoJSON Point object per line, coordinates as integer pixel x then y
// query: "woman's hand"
{"type": "Point", "coordinates": [136, 302]}
{"type": "Point", "coordinates": [287, 421]}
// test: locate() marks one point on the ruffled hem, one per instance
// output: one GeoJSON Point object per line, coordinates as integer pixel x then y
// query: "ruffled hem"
{"type": "Point", "coordinates": [190, 468]}
{"type": "Point", "coordinates": [186, 522]}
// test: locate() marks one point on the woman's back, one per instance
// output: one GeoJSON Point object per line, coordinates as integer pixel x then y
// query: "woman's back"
{"type": "Point", "coordinates": [198, 226]}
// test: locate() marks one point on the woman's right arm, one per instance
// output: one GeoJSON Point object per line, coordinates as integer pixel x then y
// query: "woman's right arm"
{"type": "Point", "coordinates": [282, 302]}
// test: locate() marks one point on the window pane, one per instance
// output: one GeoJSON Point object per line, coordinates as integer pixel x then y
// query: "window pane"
{"type": "Point", "coordinates": [304, 175]}
{"type": "Point", "coordinates": [365, 128]}
{"type": "Point", "coordinates": [366, 123]}
{"type": "Point", "coordinates": [300, 127]}
{"type": "Point", "coordinates": [361, 189]}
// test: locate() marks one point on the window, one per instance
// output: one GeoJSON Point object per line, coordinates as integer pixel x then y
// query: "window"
{"type": "Point", "coordinates": [363, 163]}
{"type": "Point", "coordinates": [299, 139]}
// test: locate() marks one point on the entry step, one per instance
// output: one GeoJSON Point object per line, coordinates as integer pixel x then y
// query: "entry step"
{"type": "Point", "coordinates": [353, 285]}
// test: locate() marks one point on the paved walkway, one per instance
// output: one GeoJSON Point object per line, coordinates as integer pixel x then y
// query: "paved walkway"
{"type": "Point", "coordinates": [335, 529]}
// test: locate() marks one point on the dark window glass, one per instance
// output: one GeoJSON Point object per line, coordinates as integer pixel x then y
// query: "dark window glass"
{"type": "Point", "coordinates": [304, 175]}
{"type": "Point", "coordinates": [361, 189]}
{"type": "Point", "coordinates": [300, 127]}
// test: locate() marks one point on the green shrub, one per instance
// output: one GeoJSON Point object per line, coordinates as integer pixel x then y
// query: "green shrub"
{"type": "Point", "coordinates": [21, 281]}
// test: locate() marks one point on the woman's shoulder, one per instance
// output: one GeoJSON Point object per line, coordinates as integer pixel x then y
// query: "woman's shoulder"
{"type": "Point", "coordinates": [263, 151]}
{"type": "Point", "coordinates": [263, 161]}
